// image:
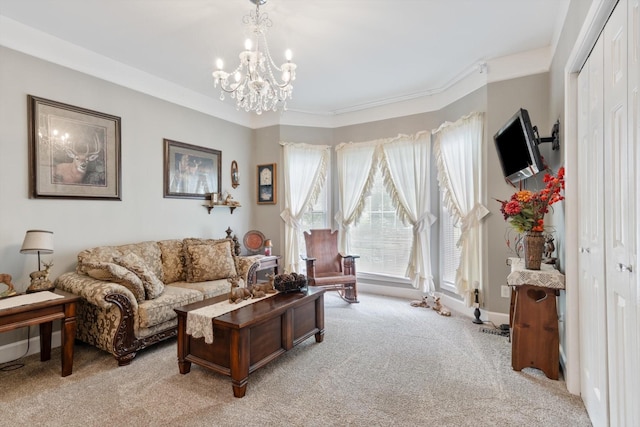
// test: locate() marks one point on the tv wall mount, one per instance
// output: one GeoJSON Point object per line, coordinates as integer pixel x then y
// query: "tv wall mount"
{"type": "Point", "coordinates": [554, 139]}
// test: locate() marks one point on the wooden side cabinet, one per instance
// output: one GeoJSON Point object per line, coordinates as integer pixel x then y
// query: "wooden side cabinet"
{"type": "Point", "coordinates": [535, 339]}
{"type": "Point", "coordinates": [268, 262]}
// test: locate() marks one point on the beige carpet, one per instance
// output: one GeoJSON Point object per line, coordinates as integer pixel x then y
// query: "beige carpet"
{"type": "Point", "coordinates": [382, 363]}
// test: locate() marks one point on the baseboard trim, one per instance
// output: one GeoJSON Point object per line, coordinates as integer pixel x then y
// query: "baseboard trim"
{"type": "Point", "coordinates": [453, 304]}
{"type": "Point", "coordinates": [16, 350]}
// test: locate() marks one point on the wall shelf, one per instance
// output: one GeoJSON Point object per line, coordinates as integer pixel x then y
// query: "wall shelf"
{"type": "Point", "coordinates": [231, 207]}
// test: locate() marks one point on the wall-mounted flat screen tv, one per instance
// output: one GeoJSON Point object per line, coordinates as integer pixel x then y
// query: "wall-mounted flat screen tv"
{"type": "Point", "coordinates": [517, 148]}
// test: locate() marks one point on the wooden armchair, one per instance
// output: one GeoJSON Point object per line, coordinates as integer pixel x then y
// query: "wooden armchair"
{"type": "Point", "coordinates": [327, 268]}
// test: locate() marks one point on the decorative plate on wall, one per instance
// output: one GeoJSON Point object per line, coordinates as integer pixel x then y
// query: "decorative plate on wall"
{"type": "Point", "coordinates": [254, 241]}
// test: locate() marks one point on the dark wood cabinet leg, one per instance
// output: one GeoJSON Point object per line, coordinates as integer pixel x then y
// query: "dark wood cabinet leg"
{"type": "Point", "coordinates": [239, 361]}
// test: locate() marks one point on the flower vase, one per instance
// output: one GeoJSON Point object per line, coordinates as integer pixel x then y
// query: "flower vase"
{"type": "Point", "coordinates": [533, 244]}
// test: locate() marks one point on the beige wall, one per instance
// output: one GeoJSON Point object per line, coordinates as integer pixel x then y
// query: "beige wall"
{"type": "Point", "coordinates": [143, 213]}
{"type": "Point", "coordinates": [504, 99]}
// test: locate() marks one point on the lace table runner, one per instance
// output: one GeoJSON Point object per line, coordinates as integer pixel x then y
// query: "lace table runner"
{"type": "Point", "coordinates": [546, 277]}
{"type": "Point", "coordinates": [200, 321]}
{"type": "Point", "coordinates": [26, 299]}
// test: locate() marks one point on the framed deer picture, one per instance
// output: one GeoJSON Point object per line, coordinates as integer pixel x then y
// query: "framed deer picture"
{"type": "Point", "coordinates": [73, 152]}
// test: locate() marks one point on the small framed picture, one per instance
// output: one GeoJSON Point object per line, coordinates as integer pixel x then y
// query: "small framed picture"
{"type": "Point", "coordinates": [235, 174]}
{"type": "Point", "coordinates": [267, 190]}
{"type": "Point", "coordinates": [74, 153]}
{"type": "Point", "coordinates": [191, 172]}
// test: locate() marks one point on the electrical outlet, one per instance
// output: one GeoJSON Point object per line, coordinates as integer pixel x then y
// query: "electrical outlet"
{"type": "Point", "coordinates": [505, 292]}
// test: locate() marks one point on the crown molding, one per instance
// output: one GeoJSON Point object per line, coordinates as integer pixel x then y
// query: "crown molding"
{"type": "Point", "coordinates": [25, 39]}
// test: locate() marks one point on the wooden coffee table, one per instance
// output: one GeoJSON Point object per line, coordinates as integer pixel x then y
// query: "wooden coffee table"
{"type": "Point", "coordinates": [251, 336]}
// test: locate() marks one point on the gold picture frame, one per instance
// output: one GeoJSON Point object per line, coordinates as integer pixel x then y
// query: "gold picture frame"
{"type": "Point", "coordinates": [266, 181]}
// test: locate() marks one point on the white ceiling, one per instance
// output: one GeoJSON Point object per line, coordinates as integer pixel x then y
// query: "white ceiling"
{"type": "Point", "coordinates": [351, 54]}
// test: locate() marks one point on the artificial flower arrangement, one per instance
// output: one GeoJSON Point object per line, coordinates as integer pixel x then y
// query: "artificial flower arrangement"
{"type": "Point", "coordinates": [526, 209]}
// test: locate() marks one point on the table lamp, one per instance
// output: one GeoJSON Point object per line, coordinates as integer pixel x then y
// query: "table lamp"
{"type": "Point", "coordinates": [267, 247]}
{"type": "Point", "coordinates": [38, 241]}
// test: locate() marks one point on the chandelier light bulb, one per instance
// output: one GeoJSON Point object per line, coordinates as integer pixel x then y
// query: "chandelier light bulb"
{"type": "Point", "coordinates": [255, 86]}
{"type": "Point", "coordinates": [219, 64]}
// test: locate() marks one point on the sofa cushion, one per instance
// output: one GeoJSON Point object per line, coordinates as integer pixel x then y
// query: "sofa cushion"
{"type": "Point", "coordinates": [148, 251]}
{"type": "Point", "coordinates": [152, 285]}
{"type": "Point", "coordinates": [172, 252]}
{"type": "Point", "coordinates": [159, 310]}
{"type": "Point", "coordinates": [210, 261]}
{"type": "Point", "coordinates": [191, 241]}
{"type": "Point", "coordinates": [209, 289]}
{"type": "Point", "coordinates": [118, 274]}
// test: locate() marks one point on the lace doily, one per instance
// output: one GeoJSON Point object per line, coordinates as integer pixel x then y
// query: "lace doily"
{"type": "Point", "coordinates": [546, 277]}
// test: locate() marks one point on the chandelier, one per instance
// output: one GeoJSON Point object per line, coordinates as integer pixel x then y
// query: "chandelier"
{"type": "Point", "coordinates": [252, 83]}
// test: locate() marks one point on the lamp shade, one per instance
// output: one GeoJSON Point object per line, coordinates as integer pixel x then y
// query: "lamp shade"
{"type": "Point", "coordinates": [37, 241]}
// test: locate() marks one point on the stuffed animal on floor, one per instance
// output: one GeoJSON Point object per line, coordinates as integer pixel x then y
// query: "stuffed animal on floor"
{"type": "Point", "coordinates": [237, 293]}
{"type": "Point", "coordinates": [437, 306]}
{"type": "Point", "coordinates": [420, 303]}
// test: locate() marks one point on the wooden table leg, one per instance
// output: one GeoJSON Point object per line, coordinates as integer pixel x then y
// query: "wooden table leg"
{"type": "Point", "coordinates": [239, 361]}
{"type": "Point", "coordinates": [68, 337]}
{"type": "Point", "coordinates": [320, 318]}
{"type": "Point", "coordinates": [45, 340]}
{"type": "Point", "coordinates": [183, 345]}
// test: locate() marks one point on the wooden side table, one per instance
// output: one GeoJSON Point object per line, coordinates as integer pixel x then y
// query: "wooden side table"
{"type": "Point", "coordinates": [270, 262]}
{"type": "Point", "coordinates": [534, 318]}
{"type": "Point", "coordinates": [43, 313]}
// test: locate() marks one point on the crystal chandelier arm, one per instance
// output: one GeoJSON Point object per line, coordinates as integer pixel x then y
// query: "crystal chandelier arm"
{"type": "Point", "coordinates": [286, 67]}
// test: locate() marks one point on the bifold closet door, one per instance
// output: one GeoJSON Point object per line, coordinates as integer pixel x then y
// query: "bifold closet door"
{"type": "Point", "coordinates": [591, 259]}
{"type": "Point", "coordinates": [621, 215]}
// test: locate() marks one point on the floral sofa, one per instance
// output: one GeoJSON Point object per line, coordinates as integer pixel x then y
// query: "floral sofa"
{"type": "Point", "coordinates": [128, 292]}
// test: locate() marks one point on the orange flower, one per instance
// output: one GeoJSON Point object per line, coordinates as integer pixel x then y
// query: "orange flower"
{"type": "Point", "coordinates": [524, 196]}
{"type": "Point", "coordinates": [526, 209]}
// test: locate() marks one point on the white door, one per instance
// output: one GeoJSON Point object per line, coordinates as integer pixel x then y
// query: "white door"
{"type": "Point", "coordinates": [591, 260]}
{"type": "Point", "coordinates": [620, 223]}
{"type": "Point", "coordinates": [633, 134]}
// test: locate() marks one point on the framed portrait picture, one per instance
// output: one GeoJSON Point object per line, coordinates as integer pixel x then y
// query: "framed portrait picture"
{"type": "Point", "coordinates": [190, 171]}
{"type": "Point", "coordinates": [73, 152]}
{"type": "Point", "coordinates": [267, 190]}
{"type": "Point", "coordinates": [235, 174]}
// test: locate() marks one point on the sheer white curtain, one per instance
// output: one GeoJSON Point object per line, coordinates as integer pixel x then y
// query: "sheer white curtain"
{"type": "Point", "coordinates": [356, 164]}
{"type": "Point", "coordinates": [406, 167]}
{"type": "Point", "coordinates": [305, 172]}
{"type": "Point", "coordinates": [458, 152]}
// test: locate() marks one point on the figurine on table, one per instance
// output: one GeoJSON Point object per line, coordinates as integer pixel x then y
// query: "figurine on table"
{"type": "Point", "coordinates": [549, 248]}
